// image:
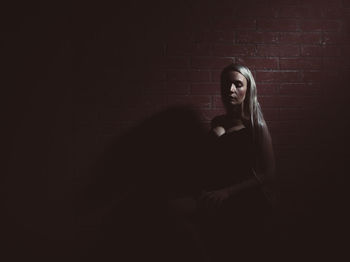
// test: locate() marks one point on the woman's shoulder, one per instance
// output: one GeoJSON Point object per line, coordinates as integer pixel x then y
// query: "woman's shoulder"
{"type": "Point", "coordinates": [217, 125]}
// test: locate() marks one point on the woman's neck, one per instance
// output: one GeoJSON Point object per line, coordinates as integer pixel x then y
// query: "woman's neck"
{"type": "Point", "coordinates": [235, 113]}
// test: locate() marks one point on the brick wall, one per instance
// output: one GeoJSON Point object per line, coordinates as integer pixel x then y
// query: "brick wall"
{"type": "Point", "coordinates": [81, 75]}
{"type": "Point", "coordinates": [296, 50]}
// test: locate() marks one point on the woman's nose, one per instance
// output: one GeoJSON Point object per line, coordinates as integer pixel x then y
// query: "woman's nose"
{"type": "Point", "coordinates": [233, 88]}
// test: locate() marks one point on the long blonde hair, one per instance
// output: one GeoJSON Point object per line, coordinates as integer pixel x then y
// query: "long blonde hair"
{"type": "Point", "coordinates": [252, 114]}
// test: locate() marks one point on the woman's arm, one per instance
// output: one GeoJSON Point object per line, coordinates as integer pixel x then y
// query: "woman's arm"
{"type": "Point", "coordinates": [216, 197]}
{"type": "Point", "coordinates": [264, 173]}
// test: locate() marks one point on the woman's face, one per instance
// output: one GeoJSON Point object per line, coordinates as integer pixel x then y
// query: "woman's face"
{"type": "Point", "coordinates": [235, 88]}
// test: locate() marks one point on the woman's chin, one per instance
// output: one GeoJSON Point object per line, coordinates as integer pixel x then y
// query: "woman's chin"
{"type": "Point", "coordinates": [234, 103]}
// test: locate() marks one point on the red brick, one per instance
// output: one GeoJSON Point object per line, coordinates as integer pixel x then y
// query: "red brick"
{"type": "Point", "coordinates": [277, 76]}
{"type": "Point", "coordinates": [277, 24]}
{"type": "Point", "coordinates": [207, 115]}
{"type": "Point", "coordinates": [312, 76]}
{"type": "Point", "coordinates": [271, 114]}
{"type": "Point", "coordinates": [300, 89]}
{"type": "Point", "coordinates": [151, 101]}
{"type": "Point", "coordinates": [210, 62]}
{"type": "Point", "coordinates": [311, 25]}
{"type": "Point", "coordinates": [335, 38]}
{"type": "Point", "coordinates": [185, 49]}
{"type": "Point", "coordinates": [178, 36]}
{"type": "Point", "coordinates": [300, 63]}
{"type": "Point", "coordinates": [155, 88]}
{"type": "Point", "coordinates": [335, 63]}
{"type": "Point", "coordinates": [198, 101]}
{"type": "Point", "coordinates": [312, 50]}
{"type": "Point", "coordinates": [179, 48]}
{"type": "Point", "coordinates": [178, 75]}
{"type": "Point", "coordinates": [230, 22]}
{"type": "Point", "coordinates": [267, 88]}
{"type": "Point", "coordinates": [222, 8]}
{"type": "Point", "coordinates": [233, 50]}
{"type": "Point", "coordinates": [124, 114]}
{"type": "Point", "coordinates": [184, 75]}
{"type": "Point", "coordinates": [290, 101]}
{"type": "Point", "coordinates": [316, 124]}
{"type": "Point", "coordinates": [319, 25]}
{"type": "Point", "coordinates": [286, 158]}
{"type": "Point", "coordinates": [289, 126]}
{"type": "Point", "coordinates": [346, 13]}
{"type": "Point", "coordinates": [286, 139]}
{"type": "Point", "coordinates": [330, 76]}
{"type": "Point", "coordinates": [256, 37]}
{"type": "Point", "coordinates": [300, 38]}
{"type": "Point", "coordinates": [344, 51]}
{"type": "Point", "coordinates": [177, 88]}
{"type": "Point", "coordinates": [205, 88]}
{"type": "Point", "coordinates": [217, 102]}
{"type": "Point", "coordinates": [284, 2]}
{"type": "Point", "coordinates": [201, 49]}
{"type": "Point", "coordinates": [320, 51]}
{"type": "Point", "coordinates": [331, 25]}
{"type": "Point", "coordinates": [261, 11]}
{"type": "Point", "coordinates": [156, 75]}
{"type": "Point", "coordinates": [333, 12]}
{"type": "Point", "coordinates": [256, 3]}
{"type": "Point", "coordinates": [331, 62]}
{"type": "Point", "coordinates": [300, 11]}
{"type": "Point", "coordinates": [268, 101]}
{"type": "Point", "coordinates": [144, 101]}
{"type": "Point", "coordinates": [278, 50]}
{"type": "Point", "coordinates": [199, 76]}
{"type": "Point", "coordinates": [215, 36]}
{"type": "Point", "coordinates": [215, 75]}
{"type": "Point", "coordinates": [199, 21]}
{"type": "Point", "coordinates": [156, 49]}
{"type": "Point", "coordinates": [295, 113]}
{"type": "Point", "coordinates": [325, 3]}
{"type": "Point", "coordinates": [174, 62]}
{"type": "Point", "coordinates": [259, 63]}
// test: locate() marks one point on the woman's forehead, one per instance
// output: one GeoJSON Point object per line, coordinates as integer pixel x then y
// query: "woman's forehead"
{"type": "Point", "coordinates": [236, 76]}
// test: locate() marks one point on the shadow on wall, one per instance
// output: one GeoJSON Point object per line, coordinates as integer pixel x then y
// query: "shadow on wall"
{"type": "Point", "coordinates": [122, 213]}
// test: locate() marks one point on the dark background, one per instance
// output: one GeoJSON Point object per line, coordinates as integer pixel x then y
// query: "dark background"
{"type": "Point", "coordinates": [79, 75]}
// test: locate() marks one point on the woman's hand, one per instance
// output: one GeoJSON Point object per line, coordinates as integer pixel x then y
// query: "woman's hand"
{"type": "Point", "coordinates": [213, 199]}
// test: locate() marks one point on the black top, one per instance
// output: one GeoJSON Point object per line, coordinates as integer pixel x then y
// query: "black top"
{"type": "Point", "coordinates": [231, 159]}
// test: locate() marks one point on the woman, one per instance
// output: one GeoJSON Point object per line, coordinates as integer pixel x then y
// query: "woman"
{"type": "Point", "coordinates": [227, 218]}
{"type": "Point", "coordinates": [239, 96]}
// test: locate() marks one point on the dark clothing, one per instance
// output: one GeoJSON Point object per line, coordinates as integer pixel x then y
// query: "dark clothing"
{"type": "Point", "coordinates": [231, 159]}
{"type": "Point", "coordinates": [236, 228]}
